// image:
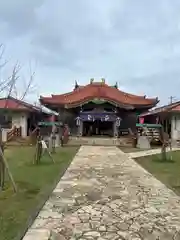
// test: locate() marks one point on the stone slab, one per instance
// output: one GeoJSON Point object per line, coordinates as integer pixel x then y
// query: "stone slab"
{"type": "Point", "coordinates": [150, 152]}
{"type": "Point", "coordinates": [37, 234]}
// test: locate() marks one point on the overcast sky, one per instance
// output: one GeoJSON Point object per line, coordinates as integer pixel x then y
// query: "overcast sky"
{"type": "Point", "coordinates": [133, 42]}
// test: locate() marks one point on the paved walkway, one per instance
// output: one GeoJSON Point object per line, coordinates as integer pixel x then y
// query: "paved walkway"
{"type": "Point", "coordinates": [149, 152]}
{"type": "Point", "coordinates": [105, 194]}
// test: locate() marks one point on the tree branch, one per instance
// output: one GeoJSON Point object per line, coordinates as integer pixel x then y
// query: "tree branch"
{"type": "Point", "coordinates": [2, 50]}
{"type": "Point", "coordinates": [29, 85]}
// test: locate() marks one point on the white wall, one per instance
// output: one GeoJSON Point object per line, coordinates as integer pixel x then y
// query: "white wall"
{"type": "Point", "coordinates": [175, 127]}
{"type": "Point", "coordinates": [18, 120]}
{"type": "Point", "coordinates": [4, 134]}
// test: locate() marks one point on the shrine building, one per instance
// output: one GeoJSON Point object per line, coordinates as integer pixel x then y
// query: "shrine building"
{"type": "Point", "coordinates": [99, 109]}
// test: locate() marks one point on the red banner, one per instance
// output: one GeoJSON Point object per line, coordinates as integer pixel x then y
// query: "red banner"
{"type": "Point", "coordinates": [141, 120]}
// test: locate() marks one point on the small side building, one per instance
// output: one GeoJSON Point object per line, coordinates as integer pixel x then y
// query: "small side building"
{"type": "Point", "coordinates": [168, 116]}
{"type": "Point", "coordinates": [19, 114]}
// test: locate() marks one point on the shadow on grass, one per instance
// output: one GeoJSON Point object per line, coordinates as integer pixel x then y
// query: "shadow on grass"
{"type": "Point", "coordinates": [159, 160]}
{"type": "Point", "coordinates": [176, 188]}
{"type": "Point", "coordinates": [28, 187]}
{"type": "Point", "coordinates": [24, 188]}
{"type": "Point", "coordinates": [40, 164]}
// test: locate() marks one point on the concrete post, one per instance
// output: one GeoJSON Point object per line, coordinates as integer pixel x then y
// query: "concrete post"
{"type": "Point", "coordinates": [81, 128]}
{"type": "Point", "coordinates": [115, 131]}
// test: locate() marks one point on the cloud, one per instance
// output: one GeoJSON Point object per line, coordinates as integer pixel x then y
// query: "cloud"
{"type": "Point", "coordinates": [19, 16]}
{"type": "Point", "coordinates": [134, 42]}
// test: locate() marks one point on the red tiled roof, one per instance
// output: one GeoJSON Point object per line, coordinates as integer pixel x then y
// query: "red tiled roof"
{"type": "Point", "coordinates": [10, 104]}
{"type": "Point", "coordinates": [16, 105]}
{"type": "Point", "coordinates": [176, 108]}
{"type": "Point", "coordinates": [97, 90]}
{"type": "Point", "coordinates": [173, 107]}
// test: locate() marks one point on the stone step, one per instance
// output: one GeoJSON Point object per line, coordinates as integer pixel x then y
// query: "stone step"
{"type": "Point", "coordinates": [100, 141]}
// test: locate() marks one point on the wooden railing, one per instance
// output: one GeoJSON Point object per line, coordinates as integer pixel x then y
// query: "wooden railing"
{"type": "Point", "coordinates": [10, 134]}
{"type": "Point", "coordinates": [14, 132]}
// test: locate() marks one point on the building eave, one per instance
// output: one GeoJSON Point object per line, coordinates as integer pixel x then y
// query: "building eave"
{"type": "Point", "coordinates": [98, 90]}
{"type": "Point", "coordinates": [161, 110]}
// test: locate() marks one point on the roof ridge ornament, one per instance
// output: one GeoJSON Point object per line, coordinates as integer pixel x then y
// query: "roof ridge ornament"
{"type": "Point", "coordinates": [103, 80]}
{"type": "Point", "coordinates": [76, 85]}
{"type": "Point", "coordinates": [91, 80]}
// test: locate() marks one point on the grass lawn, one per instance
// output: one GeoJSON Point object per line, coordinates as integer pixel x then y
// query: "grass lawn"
{"type": "Point", "coordinates": [167, 172]}
{"type": "Point", "coordinates": [34, 183]}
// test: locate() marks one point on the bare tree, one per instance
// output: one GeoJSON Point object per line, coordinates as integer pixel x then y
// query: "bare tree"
{"type": "Point", "coordinates": [9, 86]}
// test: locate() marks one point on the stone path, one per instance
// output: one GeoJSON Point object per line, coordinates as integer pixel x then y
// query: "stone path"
{"type": "Point", "coordinates": [105, 194]}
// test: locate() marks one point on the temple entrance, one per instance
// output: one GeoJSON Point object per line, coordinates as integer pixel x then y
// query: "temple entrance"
{"type": "Point", "coordinates": [98, 128]}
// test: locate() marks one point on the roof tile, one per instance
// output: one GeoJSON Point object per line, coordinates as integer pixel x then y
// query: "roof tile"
{"type": "Point", "coordinates": [98, 90]}
{"type": "Point", "coordinates": [173, 107]}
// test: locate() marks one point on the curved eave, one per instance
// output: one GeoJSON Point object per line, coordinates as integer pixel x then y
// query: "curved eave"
{"type": "Point", "coordinates": [150, 105]}
{"type": "Point", "coordinates": [55, 103]}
